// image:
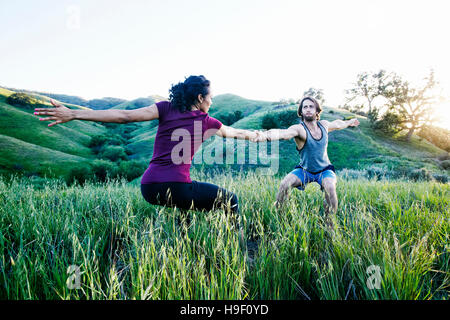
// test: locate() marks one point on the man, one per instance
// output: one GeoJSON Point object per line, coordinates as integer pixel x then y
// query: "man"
{"type": "Point", "coordinates": [311, 138]}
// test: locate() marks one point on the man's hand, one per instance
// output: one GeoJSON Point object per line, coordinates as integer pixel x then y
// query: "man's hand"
{"type": "Point", "coordinates": [353, 122]}
{"type": "Point", "coordinates": [260, 136]}
{"type": "Point", "coordinates": [60, 113]}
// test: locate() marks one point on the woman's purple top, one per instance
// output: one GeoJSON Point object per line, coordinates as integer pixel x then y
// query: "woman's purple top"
{"type": "Point", "coordinates": [179, 136]}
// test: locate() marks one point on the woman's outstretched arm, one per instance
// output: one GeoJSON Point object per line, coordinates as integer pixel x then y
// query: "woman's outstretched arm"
{"type": "Point", "coordinates": [62, 114]}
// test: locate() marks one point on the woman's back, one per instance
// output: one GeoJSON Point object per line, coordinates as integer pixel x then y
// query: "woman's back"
{"type": "Point", "coordinates": [179, 136]}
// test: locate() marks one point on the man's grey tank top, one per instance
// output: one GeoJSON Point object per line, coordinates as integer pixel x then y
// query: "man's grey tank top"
{"type": "Point", "coordinates": [313, 154]}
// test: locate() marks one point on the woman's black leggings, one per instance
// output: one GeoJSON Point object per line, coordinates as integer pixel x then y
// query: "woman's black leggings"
{"type": "Point", "coordinates": [195, 195]}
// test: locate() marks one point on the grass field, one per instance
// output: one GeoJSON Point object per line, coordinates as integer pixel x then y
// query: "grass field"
{"type": "Point", "coordinates": [128, 249]}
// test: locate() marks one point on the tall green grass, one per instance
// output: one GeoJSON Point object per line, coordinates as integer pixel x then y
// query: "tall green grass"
{"type": "Point", "coordinates": [128, 249]}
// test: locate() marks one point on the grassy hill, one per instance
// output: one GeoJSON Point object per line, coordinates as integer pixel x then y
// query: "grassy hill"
{"type": "Point", "coordinates": [35, 159]}
{"type": "Point", "coordinates": [96, 104]}
{"type": "Point", "coordinates": [359, 148]}
{"type": "Point", "coordinates": [228, 103]}
{"type": "Point", "coordinates": [139, 103]}
{"type": "Point", "coordinates": [29, 145]}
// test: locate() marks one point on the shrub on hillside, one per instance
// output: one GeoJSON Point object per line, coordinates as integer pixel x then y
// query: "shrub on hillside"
{"type": "Point", "coordinates": [375, 172]}
{"type": "Point", "coordinates": [98, 142]}
{"type": "Point", "coordinates": [420, 174]}
{"type": "Point", "coordinates": [442, 178]}
{"type": "Point", "coordinates": [444, 156]}
{"type": "Point", "coordinates": [438, 136]}
{"type": "Point", "coordinates": [80, 175]}
{"type": "Point", "coordinates": [103, 169]}
{"type": "Point", "coordinates": [269, 121]}
{"type": "Point", "coordinates": [18, 167]}
{"type": "Point", "coordinates": [132, 169]}
{"type": "Point", "coordinates": [230, 118]}
{"type": "Point", "coordinates": [21, 100]}
{"type": "Point", "coordinates": [390, 123]}
{"type": "Point", "coordinates": [113, 153]}
{"type": "Point", "coordinates": [282, 119]}
{"type": "Point", "coordinates": [352, 174]}
{"type": "Point", "coordinates": [445, 164]}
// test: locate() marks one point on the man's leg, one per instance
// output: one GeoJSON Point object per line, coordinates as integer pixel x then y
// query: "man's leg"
{"type": "Point", "coordinates": [288, 182]}
{"type": "Point", "coordinates": [331, 200]}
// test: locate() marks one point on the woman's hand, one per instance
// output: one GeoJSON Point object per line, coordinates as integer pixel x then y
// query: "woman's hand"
{"type": "Point", "coordinates": [260, 136]}
{"type": "Point", "coordinates": [60, 113]}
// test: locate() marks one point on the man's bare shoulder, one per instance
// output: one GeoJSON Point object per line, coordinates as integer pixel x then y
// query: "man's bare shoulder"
{"type": "Point", "coordinates": [324, 122]}
{"type": "Point", "coordinates": [299, 130]}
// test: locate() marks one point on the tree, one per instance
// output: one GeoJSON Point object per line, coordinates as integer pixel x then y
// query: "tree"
{"type": "Point", "coordinates": [230, 118]}
{"type": "Point", "coordinates": [414, 105]}
{"type": "Point", "coordinates": [113, 153]}
{"type": "Point", "coordinates": [102, 169]}
{"type": "Point", "coordinates": [283, 119]}
{"type": "Point", "coordinates": [22, 100]}
{"type": "Point", "coordinates": [390, 123]}
{"type": "Point", "coordinates": [368, 86]}
{"type": "Point", "coordinates": [316, 94]}
{"type": "Point", "coordinates": [132, 169]}
{"type": "Point", "coordinates": [440, 137]}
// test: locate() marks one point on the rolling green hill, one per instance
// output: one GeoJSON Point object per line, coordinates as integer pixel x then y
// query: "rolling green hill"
{"type": "Point", "coordinates": [35, 159]}
{"type": "Point", "coordinates": [30, 146]}
{"type": "Point", "coordinates": [139, 102]}
{"type": "Point", "coordinates": [96, 104]}
{"type": "Point", "coordinates": [359, 148]}
{"type": "Point", "coordinates": [227, 103]}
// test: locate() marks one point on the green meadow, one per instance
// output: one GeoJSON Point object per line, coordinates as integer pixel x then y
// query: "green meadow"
{"type": "Point", "coordinates": [125, 248]}
{"type": "Point", "coordinates": [391, 237]}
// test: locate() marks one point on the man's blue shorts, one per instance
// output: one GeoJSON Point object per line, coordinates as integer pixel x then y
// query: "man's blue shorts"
{"type": "Point", "coordinates": [307, 177]}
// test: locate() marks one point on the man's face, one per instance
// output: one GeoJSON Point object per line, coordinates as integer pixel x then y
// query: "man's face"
{"type": "Point", "coordinates": [309, 111]}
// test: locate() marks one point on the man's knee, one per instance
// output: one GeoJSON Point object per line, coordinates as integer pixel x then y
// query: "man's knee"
{"type": "Point", "coordinates": [290, 181]}
{"type": "Point", "coordinates": [329, 186]}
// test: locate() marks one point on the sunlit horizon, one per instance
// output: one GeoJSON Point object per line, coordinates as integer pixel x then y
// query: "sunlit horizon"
{"type": "Point", "coordinates": [259, 50]}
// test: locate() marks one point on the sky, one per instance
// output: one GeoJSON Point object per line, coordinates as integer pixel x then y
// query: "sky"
{"type": "Point", "coordinates": [263, 50]}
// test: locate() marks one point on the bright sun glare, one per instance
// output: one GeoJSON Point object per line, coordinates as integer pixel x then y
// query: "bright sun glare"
{"type": "Point", "coordinates": [443, 115]}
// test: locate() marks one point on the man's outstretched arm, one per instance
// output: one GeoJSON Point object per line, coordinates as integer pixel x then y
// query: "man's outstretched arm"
{"type": "Point", "coordinates": [340, 124]}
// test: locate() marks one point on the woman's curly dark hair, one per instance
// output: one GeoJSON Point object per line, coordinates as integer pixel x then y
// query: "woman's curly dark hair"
{"type": "Point", "coordinates": [185, 94]}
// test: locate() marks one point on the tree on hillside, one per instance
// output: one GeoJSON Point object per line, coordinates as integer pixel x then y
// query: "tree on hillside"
{"type": "Point", "coordinates": [230, 118]}
{"type": "Point", "coordinates": [22, 100]}
{"type": "Point", "coordinates": [367, 88]}
{"type": "Point", "coordinates": [440, 137]}
{"type": "Point", "coordinates": [413, 104]}
{"type": "Point", "coordinates": [283, 119]}
{"type": "Point", "coordinates": [113, 153]}
{"type": "Point", "coordinates": [316, 94]}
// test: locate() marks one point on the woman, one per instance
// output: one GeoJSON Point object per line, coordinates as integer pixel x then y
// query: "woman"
{"type": "Point", "coordinates": [184, 124]}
